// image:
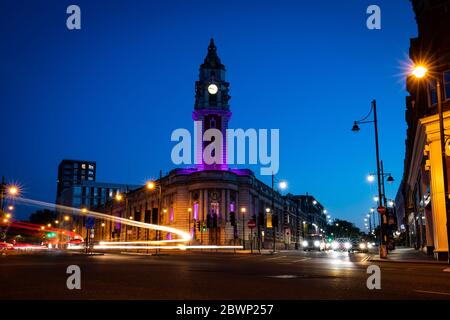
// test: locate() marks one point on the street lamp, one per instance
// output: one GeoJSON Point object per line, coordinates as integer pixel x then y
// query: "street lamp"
{"type": "Point", "coordinates": [371, 178]}
{"type": "Point", "coordinates": [243, 210]}
{"type": "Point", "coordinates": [355, 128]}
{"type": "Point", "coordinates": [152, 185]}
{"type": "Point", "coordinates": [282, 185]}
{"type": "Point", "coordinates": [420, 72]}
{"type": "Point", "coordinates": [103, 228]}
{"type": "Point", "coordinates": [13, 190]}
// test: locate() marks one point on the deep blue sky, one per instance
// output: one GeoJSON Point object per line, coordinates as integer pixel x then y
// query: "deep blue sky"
{"type": "Point", "coordinates": [114, 91]}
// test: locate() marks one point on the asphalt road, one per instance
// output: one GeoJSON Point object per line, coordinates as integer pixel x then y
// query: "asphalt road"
{"type": "Point", "coordinates": [285, 275]}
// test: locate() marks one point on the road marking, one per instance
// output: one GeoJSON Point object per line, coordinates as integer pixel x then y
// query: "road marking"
{"type": "Point", "coordinates": [279, 257]}
{"type": "Point", "coordinates": [303, 259]}
{"type": "Point", "coordinates": [366, 258]}
{"type": "Point", "coordinates": [433, 292]}
{"type": "Point", "coordinates": [446, 270]}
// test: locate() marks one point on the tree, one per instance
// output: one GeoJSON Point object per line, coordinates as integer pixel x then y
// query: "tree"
{"type": "Point", "coordinates": [43, 217]}
{"type": "Point", "coordinates": [343, 229]}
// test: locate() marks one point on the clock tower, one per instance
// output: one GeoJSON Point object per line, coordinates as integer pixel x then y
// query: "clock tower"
{"type": "Point", "coordinates": [211, 105]}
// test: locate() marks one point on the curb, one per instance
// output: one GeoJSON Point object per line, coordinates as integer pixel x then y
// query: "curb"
{"type": "Point", "coordinates": [432, 262]}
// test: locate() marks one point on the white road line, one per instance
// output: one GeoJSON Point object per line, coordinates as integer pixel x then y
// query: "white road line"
{"type": "Point", "coordinates": [433, 292]}
{"type": "Point", "coordinates": [303, 259]}
{"type": "Point", "coordinates": [279, 257]}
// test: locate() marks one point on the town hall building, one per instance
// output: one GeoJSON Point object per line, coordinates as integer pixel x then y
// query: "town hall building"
{"type": "Point", "coordinates": [213, 202]}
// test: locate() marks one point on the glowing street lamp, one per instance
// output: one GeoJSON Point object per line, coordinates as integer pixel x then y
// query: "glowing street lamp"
{"type": "Point", "coordinates": [419, 71]}
{"type": "Point", "coordinates": [66, 218]}
{"type": "Point", "coordinates": [371, 178]}
{"type": "Point", "coordinates": [119, 197]}
{"type": "Point", "coordinates": [8, 215]}
{"type": "Point", "coordinates": [13, 191]}
{"type": "Point", "coordinates": [150, 185]}
{"type": "Point", "coordinates": [283, 185]}
{"type": "Point", "coordinates": [10, 208]}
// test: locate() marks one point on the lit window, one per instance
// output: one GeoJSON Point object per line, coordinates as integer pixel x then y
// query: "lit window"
{"type": "Point", "coordinates": [91, 167]}
{"type": "Point", "coordinates": [83, 166]}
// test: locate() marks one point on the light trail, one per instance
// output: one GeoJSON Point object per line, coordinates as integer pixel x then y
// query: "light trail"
{"type": "Point", "coordinates": [184, 236]}
{"type": "Point", "coordinates": [106, 243]}
{"type": "Point", "coordinates": [179, 247]}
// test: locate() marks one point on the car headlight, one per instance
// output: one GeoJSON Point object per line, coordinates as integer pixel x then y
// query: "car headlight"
{"type": "Point", "coordinates": [305, 243]}
{"type": "Point", "coordinates": [362, 246]}
{"type": "Point", "coordinates": [334, 245]}
{"type": "Point", "coordinates": [316, 243]}
{"type": "Point", "coordinates": [369, 245]}
{"type": "Point", "coordinates": [347, 245]}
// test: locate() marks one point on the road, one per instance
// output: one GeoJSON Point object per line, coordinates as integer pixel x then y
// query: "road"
{"type": "Point", "coordinates": [188, 275]}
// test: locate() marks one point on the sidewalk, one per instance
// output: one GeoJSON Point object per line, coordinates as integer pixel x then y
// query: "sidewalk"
{"type": "Point", "coordinates": [406, 255]}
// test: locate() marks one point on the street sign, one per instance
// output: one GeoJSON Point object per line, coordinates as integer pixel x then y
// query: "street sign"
{"type": "Point", "coordinates": [251, 224]}
{"type": "Point", "coordinates": [382, 210]}
{"type": "Point", "coordinates": [90, 223]}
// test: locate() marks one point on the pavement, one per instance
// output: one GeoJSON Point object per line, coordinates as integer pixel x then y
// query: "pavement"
{"type": "Point", "coordinates": [219, 276]}
{"type": "Point", "coordinates": [406, 255]}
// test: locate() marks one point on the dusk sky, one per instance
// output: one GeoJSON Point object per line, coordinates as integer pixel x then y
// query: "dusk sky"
{"type": "Point", "coordinates": [114, 91]}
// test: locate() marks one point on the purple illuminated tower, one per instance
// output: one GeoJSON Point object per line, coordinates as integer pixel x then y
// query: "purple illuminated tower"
{"type": "Point", "coordinates": [211, 104]}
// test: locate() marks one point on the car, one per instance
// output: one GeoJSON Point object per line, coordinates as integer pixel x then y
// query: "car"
{"type": "Point", "coordinates": [361, 246]}
{"type": "Point", "coordinates": [313, 242]}
{"type": "Point", "coordinates": [6, 246]}
{"type": "Point", "coordinates": [342, 244]}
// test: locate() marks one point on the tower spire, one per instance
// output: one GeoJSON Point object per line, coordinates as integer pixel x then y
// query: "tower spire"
{"type": "Point", "coordinates": [211, 104]}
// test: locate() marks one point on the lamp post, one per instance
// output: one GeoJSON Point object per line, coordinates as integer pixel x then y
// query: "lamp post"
{"type": "Point", "coordinates": [422, 72]}
{"type": "Point", "coordinates": [151, 185]}
{"type": "Point", "coordinates": [189, 225]}
{"type": "Point", "coordinates": [355, 128]}
{"type": "Point", "coordinates": [243, 210]}
{"type": "Point", "coordinates": [282, 185]}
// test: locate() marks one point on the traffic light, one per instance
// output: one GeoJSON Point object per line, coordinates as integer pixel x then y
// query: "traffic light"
{"type": "Point", "coordinates": [204, 228]}
{"type": "Point", "coordinates": [233, 218]}
{"type": "Point", "coordinates": [199, 226]}
{"type": "Point", "coordinates": [51, 235]}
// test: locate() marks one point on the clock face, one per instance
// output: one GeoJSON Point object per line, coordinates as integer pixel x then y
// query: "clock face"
{"type": "Point", "coordinates": [212, 89]}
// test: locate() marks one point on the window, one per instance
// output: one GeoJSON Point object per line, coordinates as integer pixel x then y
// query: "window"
{"type": "Point", "coordinates": [447, 84]}
{"type": "Point", "coordinates": [91, 167]}
{"type": "Point", "coordinates": [83, 166]}
{"type": "Point", "coordinates": [433, 95]}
